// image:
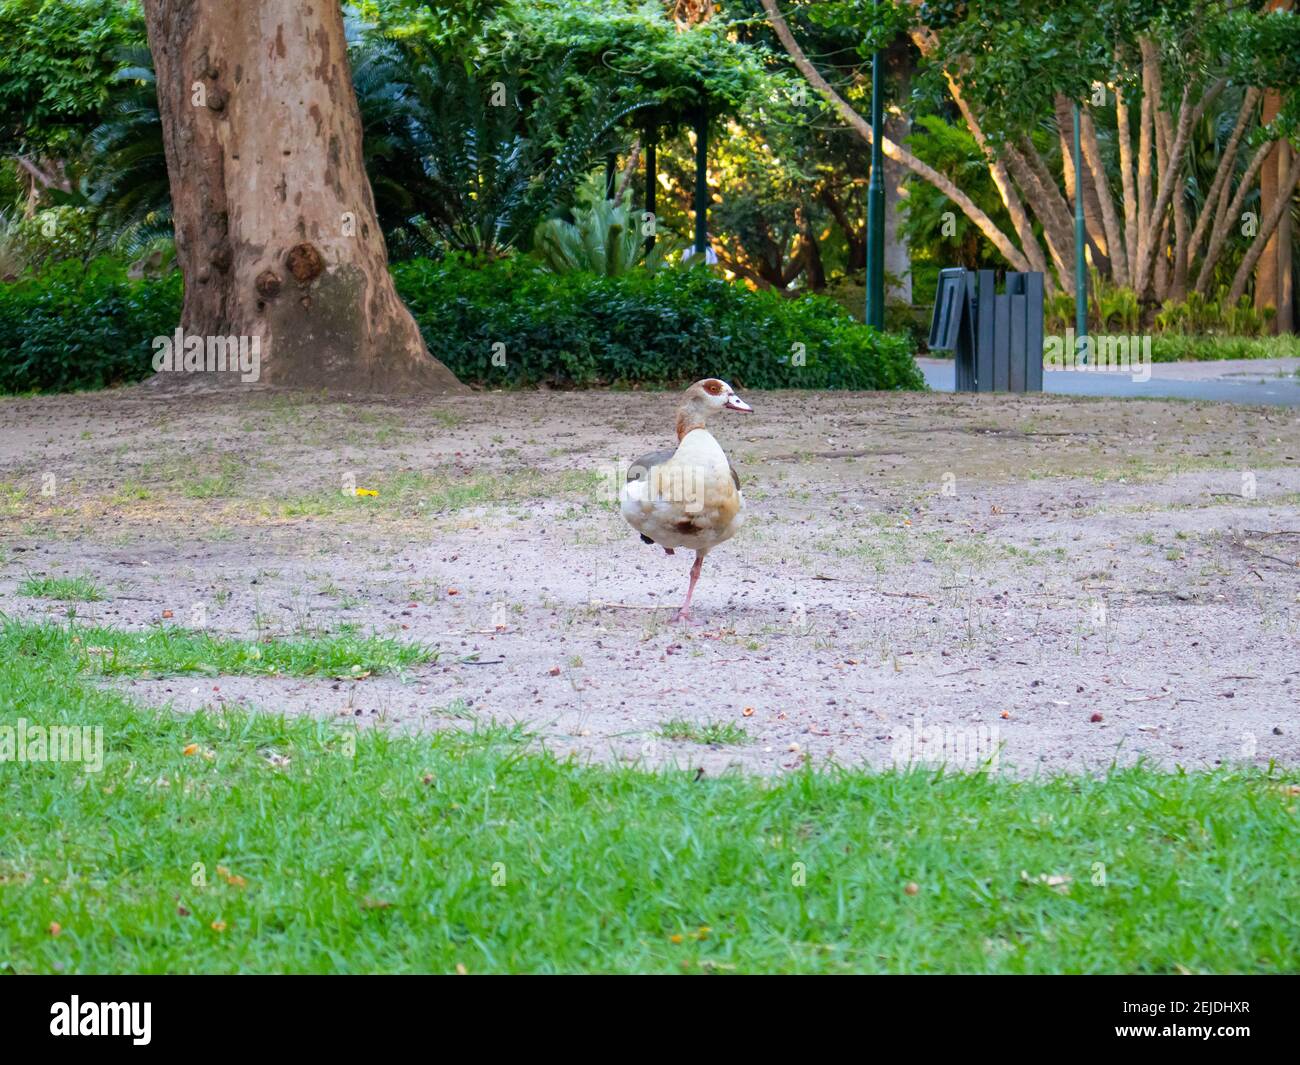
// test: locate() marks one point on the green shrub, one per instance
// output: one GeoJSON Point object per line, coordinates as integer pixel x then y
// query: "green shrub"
{"type": "Point", "coordinates": [603, 238]}
{"type": "Point", "coordinates": [82, 326]}
{"type": "Point", "coordinates": [79, 328]}
{"type": "Point", "coordinates": [669, 327]}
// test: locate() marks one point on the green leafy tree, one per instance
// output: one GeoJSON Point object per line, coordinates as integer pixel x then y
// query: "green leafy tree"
{"type": "Point", "coordinates": [473, 160]}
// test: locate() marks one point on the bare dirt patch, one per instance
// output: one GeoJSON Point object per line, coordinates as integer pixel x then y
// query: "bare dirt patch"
{"type": "Point", "coordinates": [1085, 576]}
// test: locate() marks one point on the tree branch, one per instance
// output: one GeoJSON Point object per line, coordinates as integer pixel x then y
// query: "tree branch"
{"type": "Point", "coordinates": [1230, 216]}
{"type": "Point", "coordinates": [1281, 204]}
{"type": "Point", "coordinates": [1209, 209]}
{"type": "Point", "coordinates": [860, 126]}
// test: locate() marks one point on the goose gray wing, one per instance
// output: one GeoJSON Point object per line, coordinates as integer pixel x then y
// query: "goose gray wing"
{"type": "Point", "coordinates": [640, 469]}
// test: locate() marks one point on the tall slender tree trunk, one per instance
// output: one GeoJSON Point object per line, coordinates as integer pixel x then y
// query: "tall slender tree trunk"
{"type": "Point", "coordinates": [276, 233]}
{"type": "Point", "coordinates": [1128, 183]}
{"type": "Point", "coordinates": [898, 258]}
{"type": "Point", "coordinates": [1146, 138]}
{"type": "Point", "coordinates": [1286, 310]}
{"type": "Point", "coordinates": [1231, 218]}
{"type": "Point", "coordinates": [1045, 198]}
{"type": "Point", "coordinates": [1178, 286]}
{"type": "Point", "coordinates": [1075, 184]}
{"type": "Point", "coordinates": [1171, 147]}
{"type": "Point", "coordinates": [1216, 198]}
{"type": "Point", "coordinates": [1002, 182]}
{"type": "Point", "coordinates": [1273, 274]}
{"type": "Point", "coordinates": [1109, 218]}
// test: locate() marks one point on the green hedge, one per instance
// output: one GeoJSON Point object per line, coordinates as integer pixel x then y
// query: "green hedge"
{"type": "Point", "coordinates": [79, 326]}
{"type": "Point", "coordinates": [76, 327]}
{"type": "Point", "coordinates": [670, 327]}
{"type": "Point", "coordinates": [1171, 347]}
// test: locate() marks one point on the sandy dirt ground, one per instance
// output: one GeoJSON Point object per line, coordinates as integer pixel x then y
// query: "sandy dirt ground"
{"type": "Point", "coordinates": [1067, 582]}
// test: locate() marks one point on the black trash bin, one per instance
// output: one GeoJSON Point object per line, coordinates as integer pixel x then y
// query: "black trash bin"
{"type": "Point", "coordinates": [996, 337]}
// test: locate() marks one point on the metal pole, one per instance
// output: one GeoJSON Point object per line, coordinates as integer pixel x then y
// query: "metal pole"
{"type": "Point", "coordinates": [1080, 239]}
{"type": "Point", "coordinates": [875, 313]}
{"type": "Point", "coordinates": [701, 179]}
{"type": "Point", "coordinates": [650, 181]}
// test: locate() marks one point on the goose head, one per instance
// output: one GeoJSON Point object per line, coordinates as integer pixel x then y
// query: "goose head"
{"type": "Point", "coordinates": [705, 398]}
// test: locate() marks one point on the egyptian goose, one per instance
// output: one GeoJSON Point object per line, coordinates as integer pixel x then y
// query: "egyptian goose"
{"type": "Point", "coordinates": [688, 497]}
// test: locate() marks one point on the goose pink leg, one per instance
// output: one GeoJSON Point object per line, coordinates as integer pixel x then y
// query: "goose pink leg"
{"type": "Point", "coordinates": [685, 613]}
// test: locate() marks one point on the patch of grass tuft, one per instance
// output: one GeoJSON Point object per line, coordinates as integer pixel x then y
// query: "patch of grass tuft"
{"type": "Point", "coordinates": [72, 589]}
{"type": "Point", "coordinates": [709, 732]}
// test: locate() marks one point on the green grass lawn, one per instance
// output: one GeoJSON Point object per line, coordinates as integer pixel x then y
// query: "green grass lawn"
{"type": "Point", "coordinates": [299, 845]}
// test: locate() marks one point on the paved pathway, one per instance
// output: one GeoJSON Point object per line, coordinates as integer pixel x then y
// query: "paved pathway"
{"type": "Point", "coordinates": [1252, 381]}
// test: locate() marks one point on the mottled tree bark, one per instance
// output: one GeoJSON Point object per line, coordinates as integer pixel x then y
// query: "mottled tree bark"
{"type": "Point", "coordinates": [898, 256]}
{"type": "Point", "coordinates": [276, 233]}
{"type": "Point", "coordinates": [1273, 273]}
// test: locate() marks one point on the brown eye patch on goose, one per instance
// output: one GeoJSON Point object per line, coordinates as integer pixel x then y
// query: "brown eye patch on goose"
{"type": "Point", "coordinates": [713, 388]}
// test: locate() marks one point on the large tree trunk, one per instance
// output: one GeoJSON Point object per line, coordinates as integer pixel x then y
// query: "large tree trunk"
{"type": "Point", "coordinates": [1286, 317]}
{"type": "Point", "coordinates": [1273, 274]}
{"type": "Point", "coordinates": [275, 222]}
{"type": "Point", "coordinates": [1274, 267]}
{"type": "Point", "coordinates": [898, 256]}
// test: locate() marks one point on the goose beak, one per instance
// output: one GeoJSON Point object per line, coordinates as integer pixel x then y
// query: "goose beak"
{"type": "Point", "coordinates": [734, 402]}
